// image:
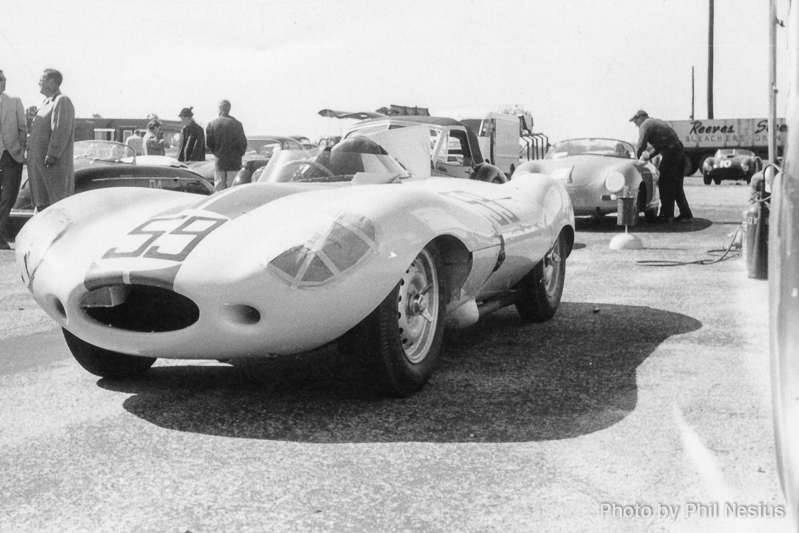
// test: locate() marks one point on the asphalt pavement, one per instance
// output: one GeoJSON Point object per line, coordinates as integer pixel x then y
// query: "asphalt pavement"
{"type": "Point", "coordinates": [644, 405]}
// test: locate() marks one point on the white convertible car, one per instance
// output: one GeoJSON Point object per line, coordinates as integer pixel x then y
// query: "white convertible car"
{"type": "Point", "coordinates": [340, 243]}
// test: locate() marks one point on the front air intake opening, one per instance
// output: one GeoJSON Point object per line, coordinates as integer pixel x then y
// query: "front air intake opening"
{"type": "Point", "coordinates": [146, 309]}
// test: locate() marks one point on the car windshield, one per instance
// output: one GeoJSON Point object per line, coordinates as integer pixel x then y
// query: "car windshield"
{"type": "Point", "coordinates": [264, 147]}
{"type": "Point", "coordinates": [603, 147]}
{"type": "Point", "coordinates": [103, 151]}
{"type": "Point", "coordinates": [734, 152]}
{"type": "Point", "coordinates": [328, 165]}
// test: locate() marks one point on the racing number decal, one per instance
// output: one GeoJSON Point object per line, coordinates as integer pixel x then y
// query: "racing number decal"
{"type": "Point", "coordinates": [495, 211]}
{"type": "Point", "coordinates": [195, 227]}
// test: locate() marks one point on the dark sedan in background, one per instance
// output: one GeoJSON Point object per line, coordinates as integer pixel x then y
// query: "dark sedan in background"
{"type": "Point", "coordinates": [101, 164]}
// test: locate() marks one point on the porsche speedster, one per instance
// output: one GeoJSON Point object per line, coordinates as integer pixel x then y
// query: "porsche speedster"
{"type": "Point", "coordinates": [343, 244]}
{"type": "Point", "coordinates": [597, 172]}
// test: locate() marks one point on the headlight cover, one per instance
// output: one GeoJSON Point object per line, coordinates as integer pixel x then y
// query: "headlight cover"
{"type": "Point", "coordinates": [348, 241]}
{"type": "Point", "coordinates": [51, 224]}
{"type": "Point", "coordinates": [615, 182]}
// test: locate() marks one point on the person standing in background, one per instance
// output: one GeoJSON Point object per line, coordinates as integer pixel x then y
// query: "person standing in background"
{"type": "Point", "coordinates": [135, 142]}
{"type": "Point", "coordinates": [13, 138]}
{"type": "Point", "coordinates": [52, 139]}
{"type": "Point", "coordinates": [192, 138]}
{"type": "Point", "coordinates": [226, 140]}
{"type": "Point", "coordinates": [152, 143]}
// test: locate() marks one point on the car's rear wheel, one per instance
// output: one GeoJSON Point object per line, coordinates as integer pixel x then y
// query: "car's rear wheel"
{"type": "Point", "coordinates": [717, 181]}
{"type": "Point", "coordinates": [688, 166]}
{"type": "Point", "coordinates": [541, 289]}
{"type": "Point", "coordinates": [399, 342]}
{"type": "Point", "coordinates": [105, 363]}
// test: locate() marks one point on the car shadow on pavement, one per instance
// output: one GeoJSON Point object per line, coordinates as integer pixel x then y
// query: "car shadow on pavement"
{"type": "Point", "coordinates": [502, 380]}
{"type": "Point", "coordinates": [608, 224]}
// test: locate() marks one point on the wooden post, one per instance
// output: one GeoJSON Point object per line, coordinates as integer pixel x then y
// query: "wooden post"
{"type": "Point", "coordinates": [710, 62]}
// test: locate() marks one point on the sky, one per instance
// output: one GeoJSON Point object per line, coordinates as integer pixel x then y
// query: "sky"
{"type": "Point", "coordinates": [582, 67]}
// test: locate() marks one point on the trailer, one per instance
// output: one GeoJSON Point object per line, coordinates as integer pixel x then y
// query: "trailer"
{"type": "Point", "coordinates": [701, 138]}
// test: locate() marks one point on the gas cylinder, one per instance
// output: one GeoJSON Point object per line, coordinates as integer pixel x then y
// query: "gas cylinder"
{"type": "Point", "coordinates": [756, 234]}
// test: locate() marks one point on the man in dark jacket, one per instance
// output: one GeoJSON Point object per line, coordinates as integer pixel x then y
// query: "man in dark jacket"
{"type": "Point", "coordinates": [666, 142]}
{"type": "Point", "coordinates": [226, 140]}
{"type": "Point", "coordinates": [192, 138]}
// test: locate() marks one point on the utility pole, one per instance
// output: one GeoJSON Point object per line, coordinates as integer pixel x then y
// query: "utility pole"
{"type": "Point", "coordinates": [710, 63]}
{"type": "Point", "coordinates": [693, 92]}
{"type": "Point", "coordinates": [772, 80]}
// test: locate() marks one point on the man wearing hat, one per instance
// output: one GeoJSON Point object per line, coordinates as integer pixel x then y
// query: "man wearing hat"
{"type": "Point", "coordinates": [192, 138]}
{"type": "Point", "coordinates": [664, 141]}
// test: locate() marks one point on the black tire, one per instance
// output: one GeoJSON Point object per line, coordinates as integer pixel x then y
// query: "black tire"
{"type": "Point", "coordinates": [706, 178]}
{"type": "Point", "coordinates": [689, 168]}
{"type": "Point", "coordinates": [105, 363]}
{"type": "Point", "coordinates": [717, 181]}
{"type": "Point", "coordinates": [399, 342]}
{"type": "Point", "coordinates": [541, 289]}
{"type": "Point", "coordinates": [702, 160]}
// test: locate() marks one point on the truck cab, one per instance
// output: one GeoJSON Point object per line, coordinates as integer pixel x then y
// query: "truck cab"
{"type": "Point", "coordinates": [498, 134]}
{"type": "Point", "coordinates": [454, 148]}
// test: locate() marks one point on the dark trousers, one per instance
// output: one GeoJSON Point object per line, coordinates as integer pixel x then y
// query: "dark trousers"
{"type": "Point", "coordinates": [670, 184]}
{"type": "Point", "coordinates": [10, 177]}
{"type": "Point", "coordinates": [680, 199]}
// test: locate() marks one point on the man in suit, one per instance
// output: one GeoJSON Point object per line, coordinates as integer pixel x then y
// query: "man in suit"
{"type": "Point", "coordinates": [13, 138]}
{"type": "Point", "coordinates": [50, 170]}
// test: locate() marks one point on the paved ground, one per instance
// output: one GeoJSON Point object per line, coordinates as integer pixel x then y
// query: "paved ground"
{"type": "Point", "coordinates": [647, 394]}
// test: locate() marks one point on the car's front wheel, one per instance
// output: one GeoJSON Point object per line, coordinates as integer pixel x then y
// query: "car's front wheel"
{"type": "Point", "coordinates": [706, 178]}
{"type": "Point", "coordinates": [105, 363]}
{"type": "Point", "coordinates": [717, 181]}
{"type": "Point", "coordinates": [399, 342]}
{"type": "Point", "coordinates": [541, 289]}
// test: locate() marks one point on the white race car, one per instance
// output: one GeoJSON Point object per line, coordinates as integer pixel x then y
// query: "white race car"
{"type": "Point", "coordinates": [343, 244]}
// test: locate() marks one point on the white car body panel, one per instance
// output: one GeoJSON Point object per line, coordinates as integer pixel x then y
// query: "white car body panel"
{"type": "Point", "coordinates": [221, 253]}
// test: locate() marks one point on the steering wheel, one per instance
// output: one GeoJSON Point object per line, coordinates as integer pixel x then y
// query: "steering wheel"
{"type": "Point", "coordinates": [314, 164]}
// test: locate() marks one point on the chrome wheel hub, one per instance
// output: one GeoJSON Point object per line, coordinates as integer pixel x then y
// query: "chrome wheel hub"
{"type": "Point", "coordinates": [552, 268]}
{"type": "Point", "coordinates": [417, 307]}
